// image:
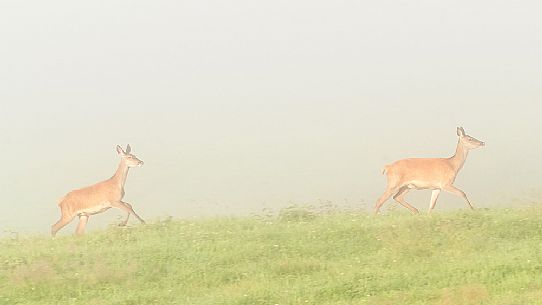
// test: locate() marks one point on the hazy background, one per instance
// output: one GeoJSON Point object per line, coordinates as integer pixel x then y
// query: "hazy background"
{"type": "Point", "coordinates": [239, 106]}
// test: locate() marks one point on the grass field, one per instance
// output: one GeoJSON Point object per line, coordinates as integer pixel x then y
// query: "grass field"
{"type": "Point", "coordinates": [299, 257]}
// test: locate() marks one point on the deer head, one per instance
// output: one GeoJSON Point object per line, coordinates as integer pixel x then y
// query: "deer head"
{"type": "Point", "coordinates": [130, 159]}
{"type": "Point", "coordinates": [468, 141]}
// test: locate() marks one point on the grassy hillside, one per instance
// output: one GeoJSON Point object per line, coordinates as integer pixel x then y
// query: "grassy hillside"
{"type": "Point", "coordinates": [480, 257]}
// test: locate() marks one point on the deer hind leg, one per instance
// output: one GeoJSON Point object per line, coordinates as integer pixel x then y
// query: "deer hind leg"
{"type": "Point", "coordinates": [125, 206]}
{"type": "Point", "coordinates": [400, 197]}
{"type": "Point", "coordinates": [387, 194]}
{"type": "Point", "coordinates": [433, 202]}
{"type": "Point", "coordinates": [82, 224]}
{"type": "Point", "coordinates": [64, 220]}
{"type": "Point", "coordinates": [454, 190]}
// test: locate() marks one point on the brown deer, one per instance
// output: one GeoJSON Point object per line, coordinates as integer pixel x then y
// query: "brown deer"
{"type": "Point", "coordinates": [99, 197]}
{"type": "Point", "coordinates": [436, 174]}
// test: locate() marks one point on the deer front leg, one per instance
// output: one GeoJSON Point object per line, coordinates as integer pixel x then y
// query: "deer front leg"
{"type": "Point", "coordinates": [454, 190]}
{"type": "Point", "coordinates": [125, 206]}
{"type": "Point", "coordinates": [82, 224]}
{"type": "Point", "coordinates": [434, 197]}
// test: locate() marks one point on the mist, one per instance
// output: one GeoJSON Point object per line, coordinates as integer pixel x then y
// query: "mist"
{"type": "Point", "coordinates": [242, 107]}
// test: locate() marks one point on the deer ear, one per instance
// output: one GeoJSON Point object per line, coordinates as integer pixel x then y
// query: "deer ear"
{"type": "Point", "coordinates": [460, 131]}
{"type": "Point", "coordinates": [128, 149]}
{"type": "Point", "coordinates": [120, 151]}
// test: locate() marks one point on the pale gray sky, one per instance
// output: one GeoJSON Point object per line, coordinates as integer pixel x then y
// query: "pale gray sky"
{"type": "Point", "coordinates": [236, 106]}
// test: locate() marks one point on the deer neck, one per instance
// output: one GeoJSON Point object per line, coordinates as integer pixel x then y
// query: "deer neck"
{"type": "Point", "coordinates": [460, 156]}
{"type": "Point", "coordinates": [120, 175]}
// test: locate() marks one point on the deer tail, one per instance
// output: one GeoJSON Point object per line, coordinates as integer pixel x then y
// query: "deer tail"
{"type": "Point", "coordinates": [385, 169]}
{"type": "Point", "coordinates": [61, 200]}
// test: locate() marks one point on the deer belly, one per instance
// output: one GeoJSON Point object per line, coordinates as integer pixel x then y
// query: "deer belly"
{"type": "Point", "coordinates": [422, 185]}
{"type": "Point", "coordinates": [94, 209]}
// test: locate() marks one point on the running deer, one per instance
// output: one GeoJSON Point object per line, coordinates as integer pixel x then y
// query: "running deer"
{"type": "Point", "coordinates": [436, 174]}
{"type": "Point", "coordinates": [99, 197]}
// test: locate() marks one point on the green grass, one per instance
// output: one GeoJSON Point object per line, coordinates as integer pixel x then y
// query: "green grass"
{"type": "Point", "coordinates": [299, 257]}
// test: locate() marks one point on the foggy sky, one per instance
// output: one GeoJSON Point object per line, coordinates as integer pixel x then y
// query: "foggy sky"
{"type": "Point", "coordinates": [239, 106]}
